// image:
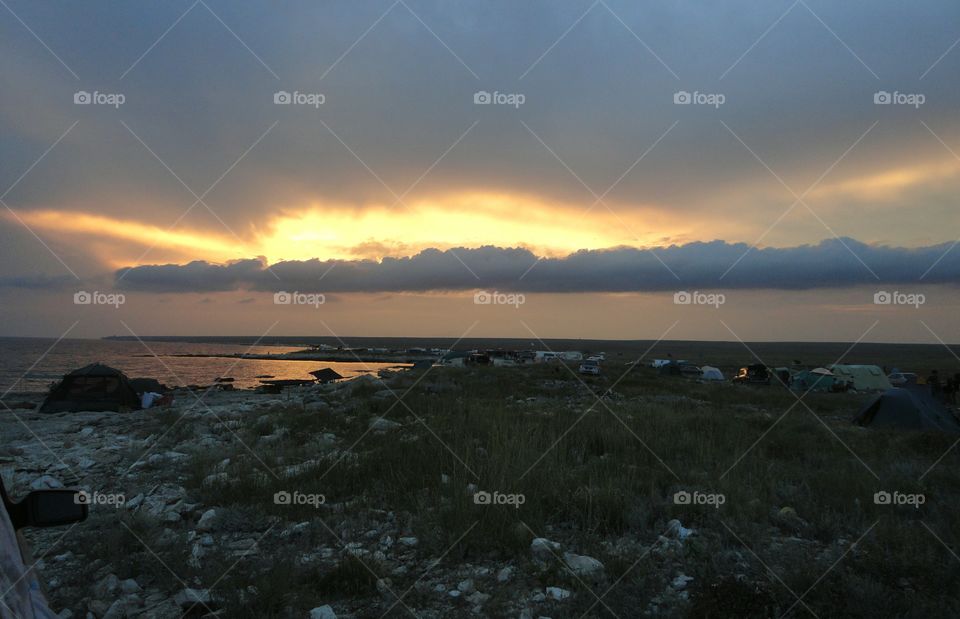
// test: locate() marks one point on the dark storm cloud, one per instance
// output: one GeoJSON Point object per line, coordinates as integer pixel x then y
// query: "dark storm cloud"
{"type": "Point", "coordinates": [832, 263]}
{"type": "Point", "coordinates": [400, 98]}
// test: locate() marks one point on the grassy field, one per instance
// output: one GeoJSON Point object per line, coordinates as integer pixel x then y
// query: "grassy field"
{"type": "Point", "coordinates": [598, 463]}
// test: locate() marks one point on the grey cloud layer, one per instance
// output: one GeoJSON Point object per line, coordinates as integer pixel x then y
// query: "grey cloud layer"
{"type": "Point", "coordinates": [696, 265]}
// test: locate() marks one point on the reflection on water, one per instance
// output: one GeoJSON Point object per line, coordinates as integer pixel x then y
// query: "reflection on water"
{"type": "Point", "coordinates": [32, 364]}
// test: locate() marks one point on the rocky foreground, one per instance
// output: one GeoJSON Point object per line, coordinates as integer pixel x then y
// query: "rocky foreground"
{"type": "Point", "coordinates": [344, 501]}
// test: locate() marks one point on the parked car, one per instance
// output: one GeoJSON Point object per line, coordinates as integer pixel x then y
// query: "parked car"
{"type": "Point", "coordinates": [590, 366]}
{"type": "Point", "coordinates": [756, 374]}
{"type": "Point", "coordinates": [898, 379]}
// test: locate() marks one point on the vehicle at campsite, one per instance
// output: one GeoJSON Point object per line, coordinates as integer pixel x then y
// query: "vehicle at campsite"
{"type": "Point", "coordinates": [898, 379]}
{"type": "Point", "coordinates": [756, 374]}
{"type": "Point", "coordinates": [591, 367]}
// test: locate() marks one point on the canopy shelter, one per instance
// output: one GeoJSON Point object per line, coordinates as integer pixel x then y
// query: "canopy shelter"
{"type": "Point", "coordinates": [326, 375]}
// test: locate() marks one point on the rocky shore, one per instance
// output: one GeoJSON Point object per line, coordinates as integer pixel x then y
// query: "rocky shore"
{"type": "Point", "coordinates": [360, 499]}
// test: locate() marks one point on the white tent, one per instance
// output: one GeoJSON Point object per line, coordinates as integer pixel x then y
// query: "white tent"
{"type": "Point", "coordinates": [708, 372]}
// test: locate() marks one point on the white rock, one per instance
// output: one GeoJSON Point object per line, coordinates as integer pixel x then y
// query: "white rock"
{"type": "Point", "coordinates": [129, 586]}
{"type": "Point", "coordinates": [466, 586]}
{"type": "Point", "coordinates": [677, 530]}
{"type": "Point", "coordinates": [556, 593]}
{"type": "Point", "coordinates": [206, 520]}
{"type": "Point", "coordinates": [188, 597]}
{"type": "Point", "coordinates": [323, 612]}
{"type": "Point", "coordinates": [409, 541]}
{"type": "Point", "coordinates": [583, 566]}
{"type": "Point", "coordinates": [505, 574]}
{"type": "Point", "coordinates": [681, 581]}
{"type": "Point", "coordinates": [382, 425]}
{"type": "Point", "coordinates": [45, 482]}
{"type": "Point", "coordinates": [544, 549]}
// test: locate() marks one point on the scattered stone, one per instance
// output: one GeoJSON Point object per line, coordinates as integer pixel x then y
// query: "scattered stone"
{"type": "Point", "coordinates": [505, 574]}
{"type": "Point", "coordinates": [323, 612]}
{"type": "Point", "coordinates": [558, 594]}
{"type": "Point", "coordinates": [466, 586]}
{"type": "Point", "coordinates": [188, 597]}
{"type": "Point", "coordinates": [544, 549]}
{"type": "Point", "coordinates": [206, 522]}
{"type": "Point", "coordinates": [383, 425]}
{"type": "Point", "coordinates": [583, 566]}
{"type": "Point", "coordinates": [45, 482]}
{"type": "Point", "coordinates": [107, 586]}
{"type": "Point", "coordinates": [409, 541]}
{"type": "Point", "coordinates": [677, 531]}
{"type": "Point", "coordinates": [680, 582]}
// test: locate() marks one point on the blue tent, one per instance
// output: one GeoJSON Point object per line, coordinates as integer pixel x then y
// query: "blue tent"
{"type": "Point", "coordinates": [911, 408]}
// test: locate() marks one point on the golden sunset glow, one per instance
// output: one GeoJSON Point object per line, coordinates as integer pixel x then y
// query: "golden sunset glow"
{"type": "Point", "coordinates": [887, 184]}
{"type": "Point", "coordinates": [339, 232]}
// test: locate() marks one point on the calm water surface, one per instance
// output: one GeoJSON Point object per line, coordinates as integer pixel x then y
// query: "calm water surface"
{"type": "Point", "coordinates": [32, 364]}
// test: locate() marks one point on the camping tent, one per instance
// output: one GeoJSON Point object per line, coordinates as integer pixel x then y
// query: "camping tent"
{"type": "Point", "coordinates": [95, 387]}
{"type": "Point", "coordinates": [147, 385]}
{"type": "Point", "coordinates": [813, 380]}
{"type": "Point", "coordinates": [861, 377]}
{"type": "Point", "coordinates": [709, 372]}
{"type": "Point", "coordinates": [908, 407]}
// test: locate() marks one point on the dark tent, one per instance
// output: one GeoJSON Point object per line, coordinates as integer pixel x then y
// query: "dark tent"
{"type": "Point", "coordinates": [908, 408]}
{"type": "Point", "coordinates": [95, 387]}
{"type": "Point", "coordinates": [326, 375]}
{"type": "Point", "coordinates": [145, 385]}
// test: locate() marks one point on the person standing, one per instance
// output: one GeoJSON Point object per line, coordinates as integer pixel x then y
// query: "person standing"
{"type": "Point", "coordinates": [934, 382]}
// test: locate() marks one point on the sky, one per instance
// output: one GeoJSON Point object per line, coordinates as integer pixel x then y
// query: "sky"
{"type": "Point", "coordinates": [779, 170]}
